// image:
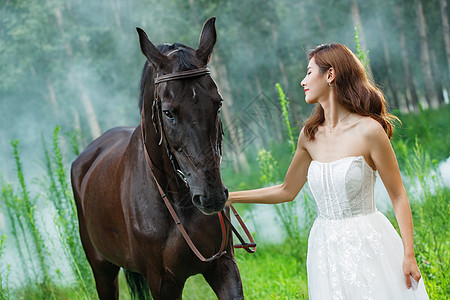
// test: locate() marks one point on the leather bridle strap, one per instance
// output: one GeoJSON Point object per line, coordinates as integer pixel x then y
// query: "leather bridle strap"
{"type": "Point", "coordinates": [244, 245]}
{"type": "Point", "coordinates": [221, 214]}
{"type": "Point", "coordinates": [182, 74]}
{"type": "Point", "coordinates": [172, 211]}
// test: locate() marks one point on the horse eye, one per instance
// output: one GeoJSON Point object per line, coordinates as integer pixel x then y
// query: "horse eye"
{"type": "Point", "coordinates": [168, 114]}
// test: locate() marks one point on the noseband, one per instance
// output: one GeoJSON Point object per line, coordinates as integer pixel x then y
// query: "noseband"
{"type": "Point", "coordinates": [158, 124]}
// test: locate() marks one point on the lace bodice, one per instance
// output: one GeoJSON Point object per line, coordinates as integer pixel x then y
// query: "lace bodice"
{"type": "Point", "coordinates": [343, 188]}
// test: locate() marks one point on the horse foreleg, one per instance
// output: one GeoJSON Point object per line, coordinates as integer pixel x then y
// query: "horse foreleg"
{"type": "Point", "coordinates": [105, 273]}
{"type": "Point", "coordinates": [106, 279]}
{"type": "Point", "coordinates": [164, 287]}
{"type": "Point", "coordinates": [224, 279]}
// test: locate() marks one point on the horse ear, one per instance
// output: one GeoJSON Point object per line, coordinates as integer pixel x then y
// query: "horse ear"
{"type": "Point", "coordinates": [207, 41]}
{"type": "Point", "coordinates": [150, 51]}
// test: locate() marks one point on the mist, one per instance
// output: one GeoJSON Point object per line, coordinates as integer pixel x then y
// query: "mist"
{"type": "Point", "coordinates": [77, 64]}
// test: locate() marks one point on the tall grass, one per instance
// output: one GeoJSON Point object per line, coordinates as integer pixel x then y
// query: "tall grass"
{"type": "Point", "coordinates": [430, 208]}
{"type": "Point", "coordinates": [274, 272]}
{"type": "Point", "coordinates": [288, 217]}
{"type": "Point", "coordinates": [22, 214]}
{"type": "Point", "coordinates": [284, 103]}
{"type": "Point", "coordinates": [363, 55]}
{"type": "Point", "coordinates": [429, 127]}
{"type": "Point", "coordinates": [41, 276]}
{"type": "Point", "coordinates": [66, 222]}
{"type": "Point", "coordinates": [4, 273]}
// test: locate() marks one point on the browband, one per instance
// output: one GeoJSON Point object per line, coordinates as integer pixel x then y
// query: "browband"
{"type": "Point", "coordinates": [182, 74]}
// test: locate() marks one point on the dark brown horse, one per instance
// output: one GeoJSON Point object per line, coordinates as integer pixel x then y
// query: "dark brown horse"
{"type": "Point", "coordinates": [123, 220]}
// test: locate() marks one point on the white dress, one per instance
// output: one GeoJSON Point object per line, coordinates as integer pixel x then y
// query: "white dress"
{"type": "Point", "coordinates": [354, 251]}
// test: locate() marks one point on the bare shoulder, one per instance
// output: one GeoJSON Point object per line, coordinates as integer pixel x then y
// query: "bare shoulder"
{"type": "Point", "coordinates": [371, 129]}
{"type": "Point", "coordinates": [303, 140]}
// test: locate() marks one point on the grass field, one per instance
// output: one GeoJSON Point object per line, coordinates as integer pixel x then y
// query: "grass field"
{"type": "Point", "coordinates": [276, 271]}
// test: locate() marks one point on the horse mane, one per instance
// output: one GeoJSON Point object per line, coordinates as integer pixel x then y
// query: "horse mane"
{"type": "Point", "coordinates": [186, 61]}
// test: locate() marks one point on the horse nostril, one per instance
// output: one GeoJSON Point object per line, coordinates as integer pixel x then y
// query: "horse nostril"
{"type": "Point", "coordinates": [196, 200]}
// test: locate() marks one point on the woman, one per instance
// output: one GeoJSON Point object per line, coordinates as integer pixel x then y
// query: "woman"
{"type": "Point", "coordinates": [353, 250]}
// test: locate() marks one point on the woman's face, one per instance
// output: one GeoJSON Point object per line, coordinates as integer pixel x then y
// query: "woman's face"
{"type": "Point", "coordinates": [314, 83]}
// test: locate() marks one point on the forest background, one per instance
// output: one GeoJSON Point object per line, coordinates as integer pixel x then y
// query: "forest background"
{"type": "Point", "coordinates": [77, 64]}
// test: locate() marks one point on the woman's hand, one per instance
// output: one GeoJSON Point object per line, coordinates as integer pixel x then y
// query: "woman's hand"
{"type": "Point", "coordinates": [411, 270]}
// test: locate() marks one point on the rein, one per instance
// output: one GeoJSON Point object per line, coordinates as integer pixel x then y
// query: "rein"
{"type": "Point", "coordinates": [156, 112]}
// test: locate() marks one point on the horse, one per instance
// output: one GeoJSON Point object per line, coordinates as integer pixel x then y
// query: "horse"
{"type": "Point", "coordinates": [174, 154]}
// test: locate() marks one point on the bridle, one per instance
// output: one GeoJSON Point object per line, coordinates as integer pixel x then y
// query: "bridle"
{"type": "Point", "coordinates": [159, 126]}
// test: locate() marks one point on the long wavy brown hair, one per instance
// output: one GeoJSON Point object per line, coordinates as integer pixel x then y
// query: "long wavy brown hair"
{"type": "Point", "coordinates": [353, 88]}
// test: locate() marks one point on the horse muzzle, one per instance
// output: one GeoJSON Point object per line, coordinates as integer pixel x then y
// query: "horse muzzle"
{"type": "Point", "coordinates": [212, 202]}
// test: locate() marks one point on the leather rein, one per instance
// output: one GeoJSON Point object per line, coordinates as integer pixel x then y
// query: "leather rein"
{"type": "Point", "coordinates": [156, 115]}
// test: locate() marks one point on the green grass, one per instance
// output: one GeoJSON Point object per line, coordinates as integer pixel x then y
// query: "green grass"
{"type": "Point", "coordinates": [429, 127]}
{"type": "Point", "coordinates": [4, 272]}
{"type": "Point", "coordinates": [275, 271]}
{"type": "Point", "coordinates": [430, 208]}
{"type": "Point", "coordinates": [42, 279]}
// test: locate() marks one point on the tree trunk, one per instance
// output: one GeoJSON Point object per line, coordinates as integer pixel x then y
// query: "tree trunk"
{"type": "Point", "coordinates": [117, 9]}
{"type": "Point", "coordinates": [357, 21]}
{"type": "Point", "coordinates": [411, 98]}
{"type": "Point", "coordinates": [221, 76]}
{"type": "Point", "coordinates": [284, 77]}
{"type": "Point", "coordinates": [85, 99]}
{"type": "Point", "coordinates": [387, 57]}
{"type": "Point", "coordinates": [425, 60]}
{"type": "Point", "coordinates": [52, 96]}
{"type": "Point", "coordinates": [437, 79]}
{"type": "Point", "coordinates": [446, 31]}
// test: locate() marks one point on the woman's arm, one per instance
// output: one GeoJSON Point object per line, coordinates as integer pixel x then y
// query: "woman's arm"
{"type": "Point", "coordinates": [383, 156]}
{"type": "Point", "coordinates": [294, 181]}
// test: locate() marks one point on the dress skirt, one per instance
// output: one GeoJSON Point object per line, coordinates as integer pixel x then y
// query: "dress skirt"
{"type": "Point", "coordinates": [357, 258]}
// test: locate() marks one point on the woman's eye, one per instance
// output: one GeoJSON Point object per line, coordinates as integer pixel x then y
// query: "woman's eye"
{"type": "Point", "coordinates": [168, 114]}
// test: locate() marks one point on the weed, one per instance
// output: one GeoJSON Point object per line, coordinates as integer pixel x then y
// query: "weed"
{"type": "Point", "coordinates": [4, 273]}
{"type": "Point", "coordinates": [361, 54]}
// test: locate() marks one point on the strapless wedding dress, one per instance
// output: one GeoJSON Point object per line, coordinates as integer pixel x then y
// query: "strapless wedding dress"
{"type": "Point", "coordinates": [354, 251]}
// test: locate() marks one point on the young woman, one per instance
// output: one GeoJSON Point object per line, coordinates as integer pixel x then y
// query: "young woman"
{"type": "Point", "coordinates": [353, 250]}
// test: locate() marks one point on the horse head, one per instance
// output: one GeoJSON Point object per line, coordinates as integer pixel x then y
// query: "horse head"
{"type": "Point", "coordinates": [186, 112]}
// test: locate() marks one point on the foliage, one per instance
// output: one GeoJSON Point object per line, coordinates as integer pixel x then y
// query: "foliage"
{"type": "Point", "coordinates": [29, 234]}
{"type": "Point", "coordinates": [60, 194]}
{"type": "Point", "coordinates": [273, 272]}
{"type": "Point", "coordinates": [430, 208]}
{"type": "Point", "coordinates": [284, 103]}
{"type": "Point", "coordinates": [58, 54]}
{"type": "Point", "coordinates": [287, 213]}
{"type": "Point", "coordinates": [22, 214]}
{"type": "Point", "coordinates": [429, 127]}
{"type": "Point", "coordinates": [361, 54]}
{"type": "Point", "coordinates": [276, 271]}
{"type": "Point", "coordinates": [268, 166]}
{"type": "Point", "coordinates": [284, 273]}
{"type": "Point", "coordinates": [4, 272]}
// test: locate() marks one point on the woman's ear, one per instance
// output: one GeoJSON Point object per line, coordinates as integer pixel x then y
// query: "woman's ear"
{"type": "Point", "coordinates": [331, 75]}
